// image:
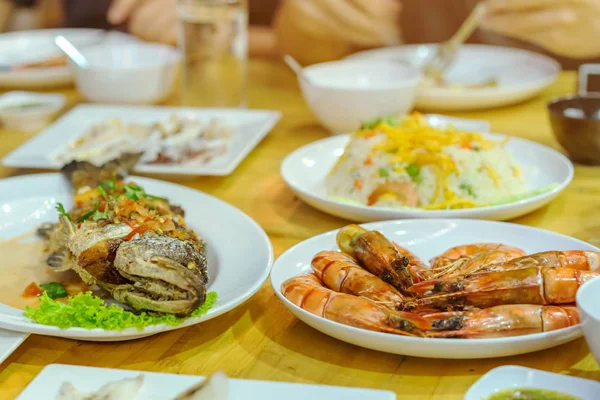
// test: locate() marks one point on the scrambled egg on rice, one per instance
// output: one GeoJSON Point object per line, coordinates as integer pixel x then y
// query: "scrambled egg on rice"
{"type": "Point", "coordinates": [408, 163]}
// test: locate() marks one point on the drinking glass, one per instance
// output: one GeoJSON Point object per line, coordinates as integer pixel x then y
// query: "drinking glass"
{"type": "Point", "coordinates": [213, 37]}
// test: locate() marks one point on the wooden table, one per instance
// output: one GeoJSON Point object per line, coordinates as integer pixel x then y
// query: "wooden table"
{"type": "Point", "coordinates": [261, 339]}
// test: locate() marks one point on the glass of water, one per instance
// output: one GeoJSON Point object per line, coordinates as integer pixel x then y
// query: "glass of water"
{"type": "Point", "coordinates": [213, 37]}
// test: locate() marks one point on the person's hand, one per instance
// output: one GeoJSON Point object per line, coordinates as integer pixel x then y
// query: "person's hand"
{"type": "Point", "coordinates": [151, 20]}
{"type": "Point", "coordinates": [302, 25]}
{"type": "Point", "coordinates": [567, 28]}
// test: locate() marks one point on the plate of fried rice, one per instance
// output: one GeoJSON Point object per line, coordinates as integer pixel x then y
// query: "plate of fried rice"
{"type": "Point", "coordinates": [406, 168]}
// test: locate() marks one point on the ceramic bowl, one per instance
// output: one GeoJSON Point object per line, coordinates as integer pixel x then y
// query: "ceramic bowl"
{"type": "Point", "coordinates": [29, 111]}
{"type": "Point", "coordinates": [344, 94]}
{"type": "Point", "coordinates": [588, 299]}
{"type": "Point", "coordinates": [576, 124]}
{"type": "Point", "coordinates": [140, 73]}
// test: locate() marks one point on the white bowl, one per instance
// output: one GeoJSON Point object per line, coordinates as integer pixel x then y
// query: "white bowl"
{"type": "Point", "coordinates": [344, 94]}
{"type": "Point", "coordinates": [136, 73]}
{"type": "Point", "coordinates": [588, 303]}
{"type": "Point", "coordinates": [29, 119]}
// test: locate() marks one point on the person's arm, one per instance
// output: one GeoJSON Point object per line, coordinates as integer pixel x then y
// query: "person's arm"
{"type": "Point", "coordinates": [262, 41]}
{"type": "Point", "coordinates": [156, 21]}
{"type": "Point", "coordinates": [566, 28]}
{"type": "Point", "coordinates": [323, 30]}
{"type": "Point", "coordinates": [6, 9]}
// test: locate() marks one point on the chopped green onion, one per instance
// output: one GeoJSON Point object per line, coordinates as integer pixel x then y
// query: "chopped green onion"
{"type": "Point", "coordinates": [383, 173]}
{"type": "Point", "coordinates": [85, 216]}
{"type": "Point", "coordinates": [102, 192]}
{"type": "Point", "coordinates": [389, 120]}
{"type": "Point", "coordinates": [467, 188]}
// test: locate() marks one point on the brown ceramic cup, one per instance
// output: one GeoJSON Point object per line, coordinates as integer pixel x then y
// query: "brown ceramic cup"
{"type": "Point", "coordinates": [575, 121]}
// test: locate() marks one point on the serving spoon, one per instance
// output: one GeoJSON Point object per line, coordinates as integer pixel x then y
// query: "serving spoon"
{"type": "Point", "coordinates": [71, 51]}
{"type": "Point", "coordinates": [446, 51]}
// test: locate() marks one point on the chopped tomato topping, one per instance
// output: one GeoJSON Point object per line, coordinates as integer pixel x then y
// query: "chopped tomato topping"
{"type": "Point", "coordinates": [32, 290]}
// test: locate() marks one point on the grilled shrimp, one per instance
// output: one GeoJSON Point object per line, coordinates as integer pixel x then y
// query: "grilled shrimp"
{"type": "Point", "coordinates": [418, 269]}
{"type": "Point", "coordinates": [467, 259]}
{"type": "Point", "coordinates": [309, 293]}
{"type": "Point", "coordinates": [537, 285]}
{"type": "Point", "coordinates": [377, 255]}
{"type": "Point", "coordinates": [576, 259]}
{"type": "Point", "coordinates": [340, 272]}
{"type": "Point", "coordinates": [502, 321]}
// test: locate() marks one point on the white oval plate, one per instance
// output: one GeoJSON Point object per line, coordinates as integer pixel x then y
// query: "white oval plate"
{"type": "Point", "coordinates": [521, 75]}
{"type": "Point", "coordinates": [240, 254]}
{"type": "Point", "coordinates": [305, 170]}
{"type": "Point", "coordinates": [37, 45]}
{"type": "Point", "coordinates": [514, 377]}
{"type": "Point", "coordinates": [428, 238]}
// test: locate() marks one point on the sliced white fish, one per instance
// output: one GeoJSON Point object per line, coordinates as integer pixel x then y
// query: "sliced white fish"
{"type": "Point", "coordinates": [125, 389]}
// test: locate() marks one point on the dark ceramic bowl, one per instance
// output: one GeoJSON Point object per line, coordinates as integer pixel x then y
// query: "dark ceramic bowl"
{"type": "Point", "coordinates": [576, 124]}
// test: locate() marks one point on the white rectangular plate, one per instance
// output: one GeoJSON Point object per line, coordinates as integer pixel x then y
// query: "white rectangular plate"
{"type": "Point", "coordinates": [249, 128]}
{"type": "Point", "coordinates": [513, 377]}
{"type": "Point", "coordinates": [158, 386]}
{"type": "Point", "coordinates": [9, 341]}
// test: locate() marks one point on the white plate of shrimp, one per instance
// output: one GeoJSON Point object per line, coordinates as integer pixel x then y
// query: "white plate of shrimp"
{"type": "Point", "coordinates": [439, 288]}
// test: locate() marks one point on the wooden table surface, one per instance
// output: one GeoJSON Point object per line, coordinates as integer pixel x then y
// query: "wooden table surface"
{"type": "Point", "coordinates": [261, 339]}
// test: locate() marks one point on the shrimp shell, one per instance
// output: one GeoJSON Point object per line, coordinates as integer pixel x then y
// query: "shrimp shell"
{"type": "Point", "coordinates": [308, 293]}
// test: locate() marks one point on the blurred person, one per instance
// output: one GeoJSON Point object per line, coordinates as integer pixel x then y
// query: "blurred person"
{"type": "Point", "coordinates": [156, 20]}
{"type": "Point", "coordinates": [322, 30]}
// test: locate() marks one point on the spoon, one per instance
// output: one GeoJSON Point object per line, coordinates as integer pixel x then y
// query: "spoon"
{"type": "Point", "coordinates": [446, 51]}
{"type": "Point", "coordinates": [296, 67]}
{"type": "Point", "coordinates": [71, 52]}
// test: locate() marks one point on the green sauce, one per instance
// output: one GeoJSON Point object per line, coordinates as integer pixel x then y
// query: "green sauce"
{"type": "Point", "coordinates": [19, 107]}
{"type": "Point", "coordinates": [531, 394]}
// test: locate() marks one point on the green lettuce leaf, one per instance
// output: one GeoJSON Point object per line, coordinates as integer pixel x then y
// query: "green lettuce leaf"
{"type": "Point", "coordinates": [88, 311]}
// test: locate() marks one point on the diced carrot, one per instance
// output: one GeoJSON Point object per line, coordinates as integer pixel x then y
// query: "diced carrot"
{"type": "Point", "coordinates": [358, 184]}
{"type": "Point", "coordinates": [369, 135]}
{"type": "Point", "coordinates": [32, 290]}
{"type": "Point", "coordinates": [369, 161]}
{"type": "Point", "coordinates": [466, 145]}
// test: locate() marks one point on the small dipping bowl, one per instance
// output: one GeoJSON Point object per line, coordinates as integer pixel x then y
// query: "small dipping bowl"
{"type": "Point", "coordinates": [575, 121]}
{"type": "Point", "coordinates": [588, 304]}
{"type": "Point", "coordinates": [344, 94]}
{"type": "Point", "coordinates": [29, 111]}
{"type": "Point", "coordinates": [131, 73]}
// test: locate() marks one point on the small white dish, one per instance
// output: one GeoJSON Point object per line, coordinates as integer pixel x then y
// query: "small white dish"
{"type": "Point", "coordinates": [35, 46]}
{"type": "Point", "coordinates": [520, 74]}
{"type": "Point", "coordinates": [29, 111]}
{"type": "Point", "coordinates": [235, 275]}
{"type": "Point", "coordinates": [140, 73]}
{"type": "Point", "coordinates": [428, 238]}
{"type": "Point", "coordinates": [513, 377]}
{"type": "Point", "coordinates": [344, 94]}
{"type": "Point", "coordinates": [248, 127]}
{"type": "Point", "coordinates": [161, 386]}
{"type": "Point", "coordinates": [588, 301]}
{"type": "Point", "coordinates": [305, 170]}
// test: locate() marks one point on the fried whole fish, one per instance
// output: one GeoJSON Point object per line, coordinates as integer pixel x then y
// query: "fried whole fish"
{"type": "Point", "coordinates": [132, 244]}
